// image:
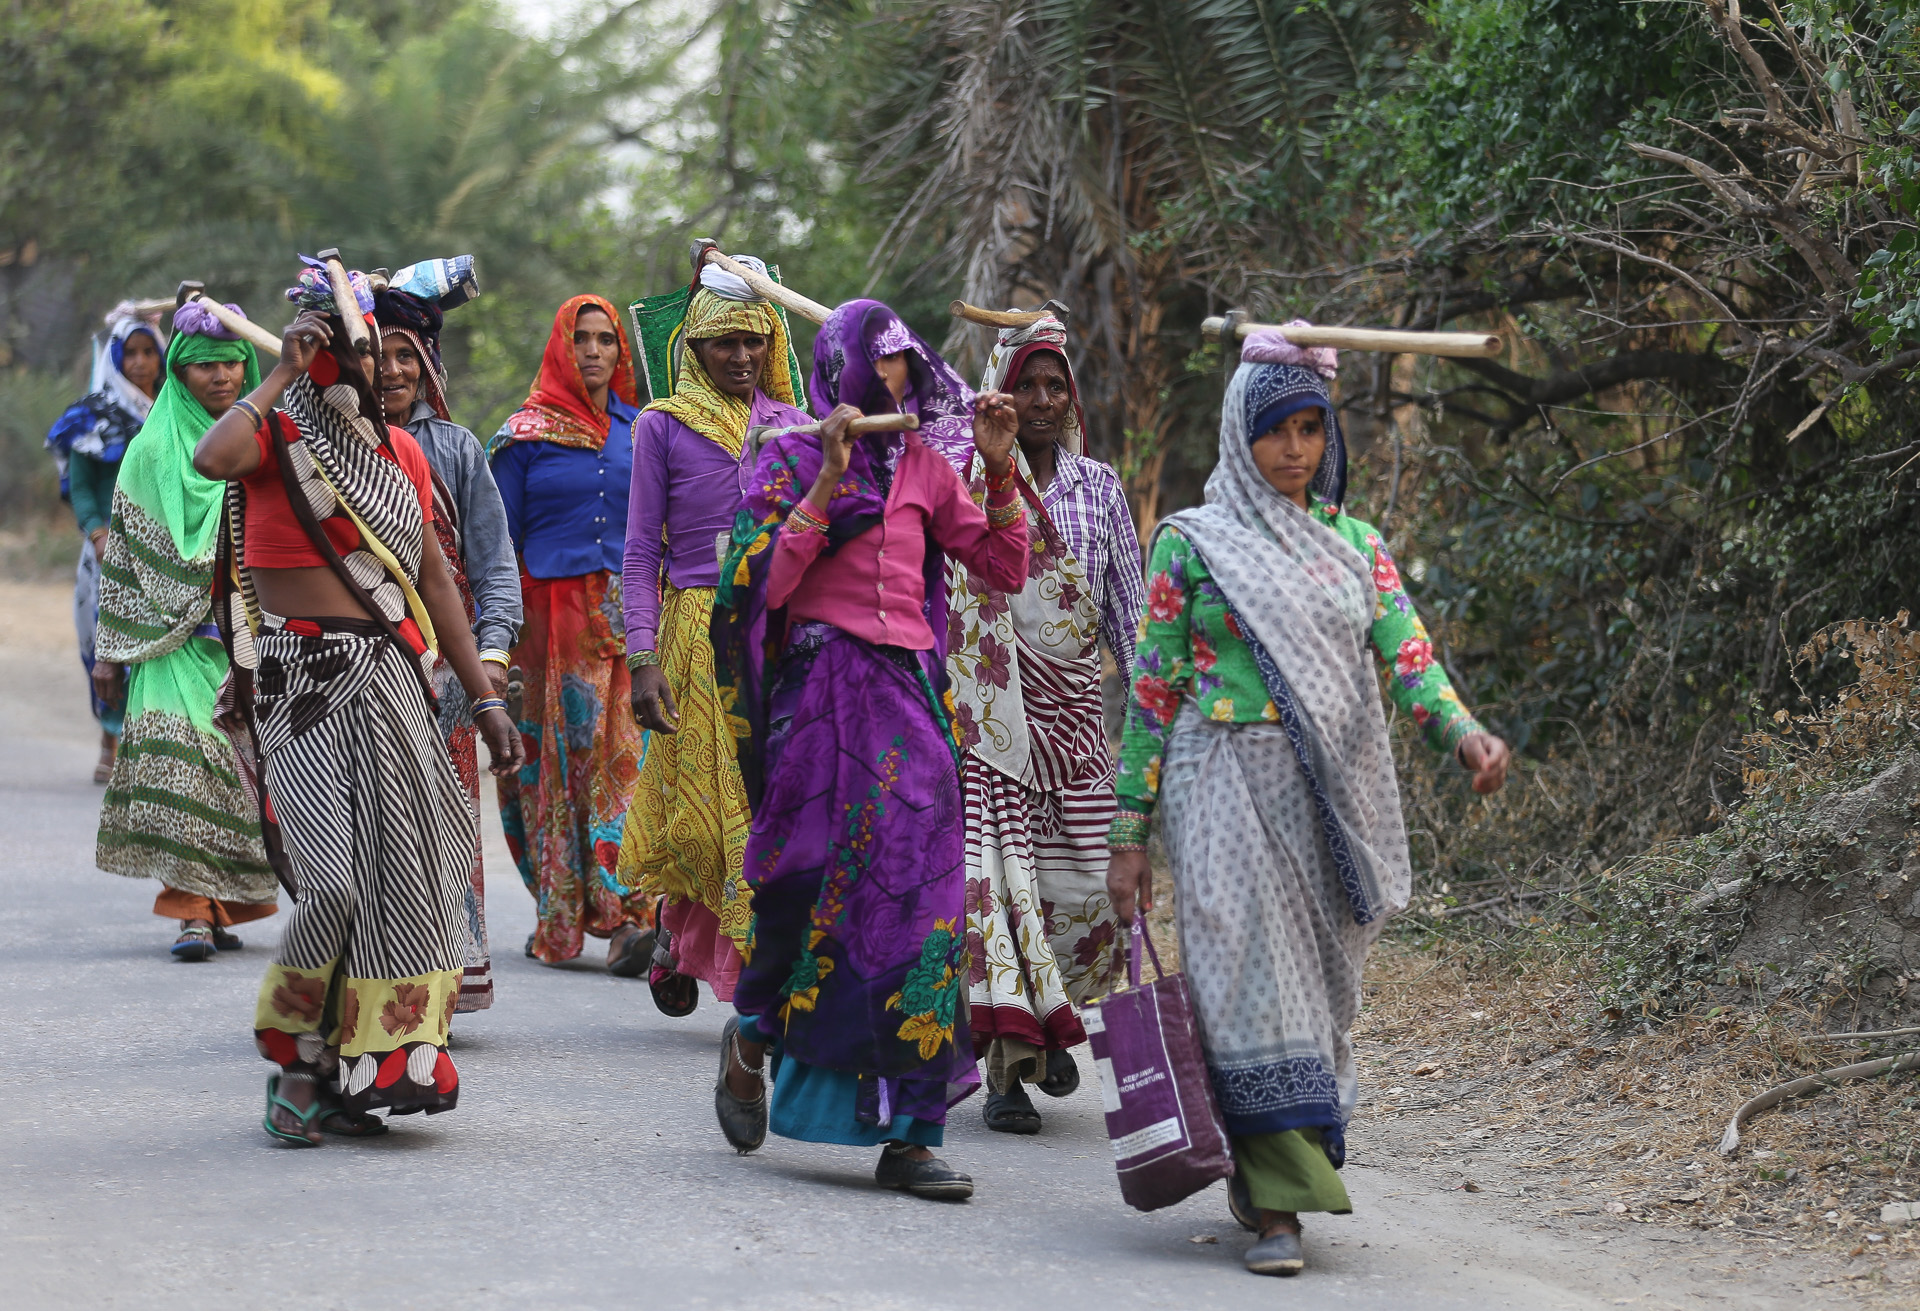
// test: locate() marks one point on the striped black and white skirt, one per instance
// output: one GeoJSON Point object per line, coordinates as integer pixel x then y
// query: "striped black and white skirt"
{"type": "Point", "coordinates": [381, 838]}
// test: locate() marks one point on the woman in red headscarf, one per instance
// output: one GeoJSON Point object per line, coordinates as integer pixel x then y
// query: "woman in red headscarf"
{"type": "Point", "coordinates": [563, 462]}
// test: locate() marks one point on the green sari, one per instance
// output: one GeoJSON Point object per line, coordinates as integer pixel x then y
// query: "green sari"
{"type": "Point", "coordinates": [175, 808]}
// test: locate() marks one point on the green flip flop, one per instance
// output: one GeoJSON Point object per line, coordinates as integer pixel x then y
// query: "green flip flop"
{"type": "Point", "coordinates": [305, 1117]}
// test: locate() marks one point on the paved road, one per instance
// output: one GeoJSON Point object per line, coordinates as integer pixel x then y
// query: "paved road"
{"type": "Point", "coordinates": [583, 1167]}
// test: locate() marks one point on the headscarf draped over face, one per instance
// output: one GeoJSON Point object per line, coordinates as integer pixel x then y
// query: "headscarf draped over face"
{"type": "Point", "coordinates": [1011, 351]}
{"type": "Point", "coordinates": [696, 400]}
{"type": "Point", "coordinates": [558, 409]}
{"type": "Point", "coordinates": [1289, 379]}
{"type": "Point", "coordinates": [860, 332]}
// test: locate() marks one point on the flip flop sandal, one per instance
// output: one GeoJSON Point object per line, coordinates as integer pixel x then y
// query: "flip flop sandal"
{"type": "Point", "coordinates": [1063, 1075]}
{"type": "Point", "coordinates": [304, 1117]}
{"type": "Point", "coordinates": [224, 941]}
{"type": "Point", "coordinates": [194, 945]}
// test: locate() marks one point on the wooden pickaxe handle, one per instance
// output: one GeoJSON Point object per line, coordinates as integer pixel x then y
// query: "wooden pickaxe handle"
{"type": "Point", "coordinates": [707, 251]}
{"type": "Point", "coordinates": [246, 329]}
{"type": "Point", "coordinates": [867, 423]}
{"type": "Point", "coordinates": [998, 318]}
{"type": "Point", "coordinates": [1458, 345]}
{"type": "Point", "coordinates": [345, 303]}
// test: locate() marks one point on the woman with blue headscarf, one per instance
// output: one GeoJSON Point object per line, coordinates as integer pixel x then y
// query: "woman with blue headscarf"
{"type": "Point", "coordinates": [87, 442]}
{"type": "Point", "coordinates": [1254, 734]}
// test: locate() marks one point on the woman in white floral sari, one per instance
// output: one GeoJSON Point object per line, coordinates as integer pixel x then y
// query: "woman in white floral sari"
{"type": "Point", "coordinates": [1039, 773]}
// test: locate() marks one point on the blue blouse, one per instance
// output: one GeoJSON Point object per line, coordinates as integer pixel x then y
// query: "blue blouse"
{"type": "Point", "coordinates": [566, 506]}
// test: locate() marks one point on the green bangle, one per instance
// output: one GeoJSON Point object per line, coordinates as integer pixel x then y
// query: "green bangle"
{"type": "Point", "coordinates": [1128, 832]}
{"type": "Point", "coordinates": [637, 659]}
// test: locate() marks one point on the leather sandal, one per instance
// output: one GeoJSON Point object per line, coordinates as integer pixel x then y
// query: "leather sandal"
{"type": "Point", "coordinates": [630, 951]}
{"type": "Point", "coordinates": [224, 941]}
{"type": "Point", "coordinates": [742, 1120]}
{"type": "Point", "coordinates": [932, 1178]}
{"type": "Point", "coordinates": [1063, 1075]}
{"type": "Point", "coordinates": [1011, 1111]}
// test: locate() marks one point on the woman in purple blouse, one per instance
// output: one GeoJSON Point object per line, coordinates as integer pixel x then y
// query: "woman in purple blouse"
{"type": "Point", "coordinates": [687, 826]}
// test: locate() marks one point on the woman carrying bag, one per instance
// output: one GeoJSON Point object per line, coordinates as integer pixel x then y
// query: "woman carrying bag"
{"type": "Point", "coordinates": [1254, 732]}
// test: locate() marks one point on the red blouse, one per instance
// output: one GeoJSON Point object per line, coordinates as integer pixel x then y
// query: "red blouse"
{"type": "Point", "coordinates": [275, 539]}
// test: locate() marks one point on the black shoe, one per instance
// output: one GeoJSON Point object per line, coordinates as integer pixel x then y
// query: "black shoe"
{"type": "Point", "coordinates": [1063, 1075]}
{"type": "Point", "coordinates": [224, 941]}
{"type": "Point", "coordinates": [1240, 1204]}
{"type": "Point", "coordinates": [743, 1122]}
{"type": "Point", "coordinates": [932, 1178]}
{"type": "Point", "coordinates": [1011, 1111]}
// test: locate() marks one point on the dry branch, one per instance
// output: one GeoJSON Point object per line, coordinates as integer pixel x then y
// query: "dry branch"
{"type": "Point", "coordinates": [1730, 1140]}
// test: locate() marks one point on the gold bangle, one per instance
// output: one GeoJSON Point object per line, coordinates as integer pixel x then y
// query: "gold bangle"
{"type": "Point", "coordinates": [259, 420]}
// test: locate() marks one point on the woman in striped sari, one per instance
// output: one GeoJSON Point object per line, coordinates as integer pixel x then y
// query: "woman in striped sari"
{"type": "Point", "coordinates": [335, 594]}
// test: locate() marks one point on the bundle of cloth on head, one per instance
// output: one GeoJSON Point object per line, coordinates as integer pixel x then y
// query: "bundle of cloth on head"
{"type": "Point", "coordinates": [1011, 351]}
{"type": "Point", "coordinates": [175, 809]}
{"type": "Point", "coordinates": [723, 303]}
{"type": "Point", "coordinates": [558, 408]}
{"type": "Point", "coordinates": [102, 422]}
{"type": "Point", "coordinates": [413, 303]}
{"type": "Point", "coordinates": [1295, 378]}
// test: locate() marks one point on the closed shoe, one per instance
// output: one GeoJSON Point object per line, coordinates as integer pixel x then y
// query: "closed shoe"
{"type": "Point", "coordinates": [932, 1178]}
{"type": "Point", "coordinates": [1240, 1204]}
{"type": "Point", "coordinates": [1282, 1254]}
{"type": "Point", "coordinates": [743, 1121]}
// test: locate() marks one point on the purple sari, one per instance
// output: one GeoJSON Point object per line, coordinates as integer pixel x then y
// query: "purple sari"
{"type": "Point", "coordinates": [856, 960]}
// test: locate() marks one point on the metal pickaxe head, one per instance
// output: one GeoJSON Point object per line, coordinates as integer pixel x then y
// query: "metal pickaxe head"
{"type": "Point", "coordinates": [188, 290]}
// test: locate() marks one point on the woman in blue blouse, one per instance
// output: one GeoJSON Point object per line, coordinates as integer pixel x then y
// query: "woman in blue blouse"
{"type": "Point", "coordinates": [563, 463]}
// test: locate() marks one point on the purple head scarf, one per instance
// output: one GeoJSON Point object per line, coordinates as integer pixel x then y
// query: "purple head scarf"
{"type": "Point", "coordinates": [860, 332]}
{"type": "Point", "coordinates": [196, 320]}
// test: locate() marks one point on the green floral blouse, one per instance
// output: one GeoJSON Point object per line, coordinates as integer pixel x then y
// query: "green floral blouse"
{"type": "Point", "coordinates": [1191, 646]}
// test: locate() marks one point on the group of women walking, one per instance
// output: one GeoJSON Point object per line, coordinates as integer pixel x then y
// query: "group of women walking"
{"type": "Point", "coordinates": [781, 696]}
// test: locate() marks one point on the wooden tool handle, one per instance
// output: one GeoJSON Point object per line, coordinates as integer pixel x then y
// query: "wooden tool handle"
{"type": "Point", "coordinates": [345, 303]}
{"type": "Point", "coordinates": [867, 423]}
{"type": "Point", "coordinates": [239, 327]}
{"type": "Point", "coordinates": [997, 318]}
{"type": "Point", "coordinates": [710, 253]}
{"type": "Point", "coordinates": [1458, 345]}
{"type": "Point", "coordinates": [139, 309]}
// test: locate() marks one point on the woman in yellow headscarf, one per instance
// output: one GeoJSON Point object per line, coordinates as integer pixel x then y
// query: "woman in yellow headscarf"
{"type": "Point", "coordinates": [687, 827]}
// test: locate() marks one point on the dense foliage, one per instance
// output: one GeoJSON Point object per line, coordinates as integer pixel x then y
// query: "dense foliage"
{"type": "Point", "coordinates": [1694, 222]}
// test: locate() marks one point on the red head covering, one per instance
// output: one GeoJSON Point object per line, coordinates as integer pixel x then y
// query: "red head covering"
{"type": "Point", "coordinates": [558, 409]}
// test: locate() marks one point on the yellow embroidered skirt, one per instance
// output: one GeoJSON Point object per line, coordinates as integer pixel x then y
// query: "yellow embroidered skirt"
{"type": "Point", "coordinates": [687, 827]}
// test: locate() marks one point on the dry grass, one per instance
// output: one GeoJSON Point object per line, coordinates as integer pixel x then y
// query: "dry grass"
{"type": "Point", "coordinates": [1625, 1119]}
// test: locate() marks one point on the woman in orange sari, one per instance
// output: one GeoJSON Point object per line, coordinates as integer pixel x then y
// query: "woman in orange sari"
{"type": "Point", "coordinates": [563, 462]}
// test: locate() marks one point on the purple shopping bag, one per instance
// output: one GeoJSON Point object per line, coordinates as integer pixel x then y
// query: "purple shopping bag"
{"type": "Point", "coordinates": [1161, 1115]}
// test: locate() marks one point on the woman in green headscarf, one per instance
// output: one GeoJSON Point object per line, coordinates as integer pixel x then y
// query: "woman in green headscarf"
{"type": "Point", "coordinates": [176, 809]}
